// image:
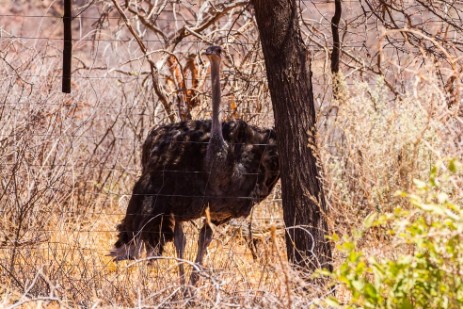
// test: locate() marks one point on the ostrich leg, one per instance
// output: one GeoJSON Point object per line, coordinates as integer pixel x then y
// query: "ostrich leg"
{"type": "Point", "coordinates": [179, 243]}
{"type": "Point", "coordinates": [205, 238]}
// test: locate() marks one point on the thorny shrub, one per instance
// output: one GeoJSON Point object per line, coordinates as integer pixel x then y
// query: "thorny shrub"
{"type": "Point", "coordinates": [427, 270]}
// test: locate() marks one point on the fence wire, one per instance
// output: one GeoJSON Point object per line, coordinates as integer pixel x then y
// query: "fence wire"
{"type": "Point", "coordinates": [69, 162]}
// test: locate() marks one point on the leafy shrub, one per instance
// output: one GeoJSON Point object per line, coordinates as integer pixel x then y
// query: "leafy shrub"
{"type": "Point", "coordinates": [424, 264]}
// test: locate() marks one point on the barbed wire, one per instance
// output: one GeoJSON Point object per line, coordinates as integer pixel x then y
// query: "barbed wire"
{"type": "Point", "coordinates": [103, 213]}
{"type": "Point", "coordinates": [198, 42]}
{"type": "Point", "coordinates": [269, 221]}
{"type": "Point", "coordinates": [131, 78]}
{"type": "Point", "coordinates": [54, 246]}
{"type": "Point", "coordinates": [79, 16]}
{"type": "Point", "coordinates": [157, 18]}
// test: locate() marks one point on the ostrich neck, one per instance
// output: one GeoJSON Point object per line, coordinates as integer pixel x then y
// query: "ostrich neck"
{"type": "Point", "coordinates": [217, 142]}
{"type": "Point", "coordinates": [216, 130]}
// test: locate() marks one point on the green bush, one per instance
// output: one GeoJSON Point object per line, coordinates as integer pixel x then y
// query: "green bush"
{"type": "Point", "coordinates": [421, 264]}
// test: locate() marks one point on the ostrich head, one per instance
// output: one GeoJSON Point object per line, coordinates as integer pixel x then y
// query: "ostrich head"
{"type": "Point", "coordinates": [213, 53]}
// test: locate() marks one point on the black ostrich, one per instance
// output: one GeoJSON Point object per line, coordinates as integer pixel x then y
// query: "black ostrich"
{"type": "Point", "coordinates": [193, 169]}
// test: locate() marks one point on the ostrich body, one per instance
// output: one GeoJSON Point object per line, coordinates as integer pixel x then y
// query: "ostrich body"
{"type": "Point", "coordinates": [189, 167]}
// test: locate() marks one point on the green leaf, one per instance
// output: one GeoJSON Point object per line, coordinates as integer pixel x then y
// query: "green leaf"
{"type": "Point", "coordinates": [370, 220]}
{"type": "Point", "coordinates": [453, 166]}
{"type": "Point", "coordinates": [406, 304]}
{"type": "Point", "coordinates": [332, 302]}
{"type": "Point", "coordinates": [358, 285]}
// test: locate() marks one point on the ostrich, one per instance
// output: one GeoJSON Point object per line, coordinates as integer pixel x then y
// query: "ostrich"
{"type": "Point", "coordinates": [193, 169]}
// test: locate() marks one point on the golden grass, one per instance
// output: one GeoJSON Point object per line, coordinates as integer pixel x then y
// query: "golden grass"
{"type": "Point", "coordinates": [72, 266]}
{"type": "Point", "coordinates": [68, 163]}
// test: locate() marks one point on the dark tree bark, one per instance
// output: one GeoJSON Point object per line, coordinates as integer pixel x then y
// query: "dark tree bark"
{"type": "Point", "coordinates": [335, 53]}
{"type": "Point", "coordinates": [290, 83]}
{"type": "Point", "coordinates": [67, 49]}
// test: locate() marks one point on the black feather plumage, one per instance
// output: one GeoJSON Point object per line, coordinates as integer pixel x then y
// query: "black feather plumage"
{"type": "Point", "coordinates": [176, 186]}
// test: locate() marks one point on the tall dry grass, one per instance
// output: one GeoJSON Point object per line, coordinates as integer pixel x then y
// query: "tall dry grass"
{"type": "Point", "coordinates": [68, 166]}
{"type": "Point", "coordinates": [68, 163]}
{"type": "Point", "coordinates": [374, 145]}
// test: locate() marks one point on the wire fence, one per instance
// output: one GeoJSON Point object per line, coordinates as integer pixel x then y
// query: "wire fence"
{"type": "Point", "coordinates": [69, 162]}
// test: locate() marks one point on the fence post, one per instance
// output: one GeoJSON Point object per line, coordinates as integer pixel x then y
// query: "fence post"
{"type": "Point", "coordinates": [67, 48]}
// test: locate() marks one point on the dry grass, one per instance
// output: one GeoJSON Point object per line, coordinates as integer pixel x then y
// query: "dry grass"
{"type": "Point", "coordinates": [68, 163]}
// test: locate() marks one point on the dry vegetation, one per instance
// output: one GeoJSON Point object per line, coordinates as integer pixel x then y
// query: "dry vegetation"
{"type": "Point", "coordinates": [68, 162]}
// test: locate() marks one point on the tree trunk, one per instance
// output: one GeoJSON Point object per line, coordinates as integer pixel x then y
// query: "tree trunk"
{"type": "Point", "coordinates": [290, 83]}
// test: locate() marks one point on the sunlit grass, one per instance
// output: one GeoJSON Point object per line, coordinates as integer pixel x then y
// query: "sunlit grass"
{"type": "Point", "coordinates": [69, 163]}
